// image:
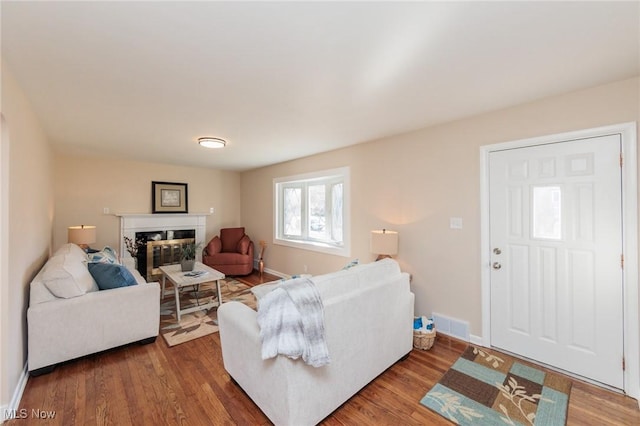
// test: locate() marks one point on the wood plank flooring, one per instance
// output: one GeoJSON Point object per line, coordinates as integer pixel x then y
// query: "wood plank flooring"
{"type": "Point", "coordinates": [255, 278]}
{"type": "Point", "coordinates": [187, 385]}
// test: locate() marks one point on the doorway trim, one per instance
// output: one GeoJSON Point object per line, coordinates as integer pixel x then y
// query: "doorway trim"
{"type": "Point", "coordinates": [631, 326]}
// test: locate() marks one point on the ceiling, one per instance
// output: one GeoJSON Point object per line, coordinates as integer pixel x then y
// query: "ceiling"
{"type": "Point", "coordinates": [284, 80]}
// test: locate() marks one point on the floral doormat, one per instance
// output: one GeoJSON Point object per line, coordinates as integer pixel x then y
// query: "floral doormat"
{"type": "Point", "coordinates": [200, 323]}
{"type": "Point", "coordinates": [489, 388]}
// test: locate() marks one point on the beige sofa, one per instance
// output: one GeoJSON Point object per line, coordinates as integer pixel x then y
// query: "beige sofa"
{"type": "Point", "coordinates": [368, 323]}
{"type": "Point", "coordinates": [69, 317]}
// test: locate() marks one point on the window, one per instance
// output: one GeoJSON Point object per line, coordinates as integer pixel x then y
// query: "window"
{"type": "Point", "coordinates": [312, 211]}
{"type": "Point", "coordinates": [547, 212]}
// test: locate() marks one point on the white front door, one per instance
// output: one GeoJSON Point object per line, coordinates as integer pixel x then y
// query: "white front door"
{"type": "Point", "coordinates": [556, 240]}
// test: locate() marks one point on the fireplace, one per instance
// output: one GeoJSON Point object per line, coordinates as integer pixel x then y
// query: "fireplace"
{"type": "Point", "coordinates": [164, 235]}
{"type": "Point", "coordinates": [162, 248]}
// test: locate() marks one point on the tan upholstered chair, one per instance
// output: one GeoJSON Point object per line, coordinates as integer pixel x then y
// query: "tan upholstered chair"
{"type": "Point", "coordinates": [230, 253]}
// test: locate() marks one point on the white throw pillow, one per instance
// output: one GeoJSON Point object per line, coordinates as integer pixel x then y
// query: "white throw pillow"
{"type": "Point", "coordinates": [65, 276]}
{"type": "Point", "coordinates": [72, 250]}
{"type": "Point", "coordinates": [107, 255]}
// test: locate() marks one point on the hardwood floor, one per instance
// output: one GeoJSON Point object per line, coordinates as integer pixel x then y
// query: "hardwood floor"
{"type": "Point", "coordinates": [255, 278]}
{"type": "Point", "coordinates": [187, 385]}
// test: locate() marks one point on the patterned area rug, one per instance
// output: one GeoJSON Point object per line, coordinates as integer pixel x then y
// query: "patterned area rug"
{"type": "Point", "coordinates": [199, 323]}
{"type": "Point", "coordinates": [490, 388]}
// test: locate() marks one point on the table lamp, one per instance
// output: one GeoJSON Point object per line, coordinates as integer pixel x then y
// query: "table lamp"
{"type": "Point", "coordinates": [384, 243]}
{"type": "Point", "coordinates": [82, 235]}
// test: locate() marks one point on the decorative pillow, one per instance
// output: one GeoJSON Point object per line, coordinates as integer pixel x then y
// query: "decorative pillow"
{"type": "Point", "coordinates": [229, 238]}
{"type": "Point", "coordinates": [214, 246]}
{"type": "Point", "coordinates": [109, 275]}
{"type": "Point", "coordinates": [73, 250]}
{"type": "Point", "coordinates": [351, 264]}
{"type": "Point", "coordinates": [243, 245]}
{"type": "Point", "coordinates": [107, 255]}
{"type": "Point", "coordinates": [65, 276]}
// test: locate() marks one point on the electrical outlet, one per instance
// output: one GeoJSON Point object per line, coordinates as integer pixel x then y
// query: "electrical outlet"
{"type": "Point", "coordinates": [304, 267]}
{"type": "Point", "coordinates": [105, 210]}
{"type": "Point", "coordinates": [211, 210]}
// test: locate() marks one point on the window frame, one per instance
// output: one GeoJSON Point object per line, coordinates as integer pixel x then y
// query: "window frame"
{"type": "Point", "coordinates": [305, 242]}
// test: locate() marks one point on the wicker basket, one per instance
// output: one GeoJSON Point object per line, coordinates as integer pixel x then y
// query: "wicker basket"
{"type": "Point", "coordinates": [422, 340]}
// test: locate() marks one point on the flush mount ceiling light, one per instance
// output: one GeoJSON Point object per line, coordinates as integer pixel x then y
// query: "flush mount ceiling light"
{"type": "Point", "coordinates": [209, 142]}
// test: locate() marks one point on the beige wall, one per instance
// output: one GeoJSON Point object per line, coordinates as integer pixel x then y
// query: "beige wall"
{"type": "Point", "coordinates": [414, 183]}
{"type": "Point", "coordinates": [30, 217]}
{"type": "Point", "coordinates": [85, 186]}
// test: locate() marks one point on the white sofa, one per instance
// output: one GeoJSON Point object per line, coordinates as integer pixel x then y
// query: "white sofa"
{"type": "Point", "coordinates": [69, 317]}
{"type": "Point", "coordinates": [368, 323]}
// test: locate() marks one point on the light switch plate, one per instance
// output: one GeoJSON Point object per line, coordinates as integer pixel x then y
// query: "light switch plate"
{"type": "Point", "coordinates": [455, 223]}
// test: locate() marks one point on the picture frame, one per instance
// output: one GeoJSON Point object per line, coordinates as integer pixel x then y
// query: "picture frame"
{"type": "Point", "coordinates": [169, 197]}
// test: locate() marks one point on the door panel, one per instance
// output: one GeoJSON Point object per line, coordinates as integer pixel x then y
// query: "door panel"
{"type": "Point", "coordinates": [556, 280]}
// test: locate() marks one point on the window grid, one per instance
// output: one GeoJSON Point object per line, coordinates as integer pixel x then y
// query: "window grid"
{"type": "Point", "coordinates": [311, 211]}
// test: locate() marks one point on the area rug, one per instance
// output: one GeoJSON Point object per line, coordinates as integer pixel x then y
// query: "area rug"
{"type": "Point", "coordinates": [200, 323]}
{"type": "Point", "coordinates": [489, 388]}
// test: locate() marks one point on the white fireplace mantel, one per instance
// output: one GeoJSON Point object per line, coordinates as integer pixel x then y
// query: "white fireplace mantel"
{"type": "Point", "coordinates": [130, 223]}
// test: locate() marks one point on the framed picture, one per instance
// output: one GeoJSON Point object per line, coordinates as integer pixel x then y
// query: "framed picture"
{"type": "Point", "coordinates": [169, 197]}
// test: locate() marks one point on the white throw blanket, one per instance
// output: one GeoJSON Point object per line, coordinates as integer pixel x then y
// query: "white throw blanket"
{"type": "Point", "coordinates": [291, 320]}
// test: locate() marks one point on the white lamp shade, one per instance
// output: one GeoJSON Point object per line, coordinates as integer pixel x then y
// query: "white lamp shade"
{"type": "Point", "coordinates": [384, 242]}
{"type": "Point", "coordinates": [82, 234]}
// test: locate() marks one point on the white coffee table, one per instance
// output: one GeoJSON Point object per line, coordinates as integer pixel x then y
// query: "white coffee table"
{"type": "Point", "coordinates": [178, 278]}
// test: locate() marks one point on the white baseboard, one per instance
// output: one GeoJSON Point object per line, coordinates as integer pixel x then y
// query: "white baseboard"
{"type": "Point", "coordinates": [476, 340]}
{"type": "Point", "coordinates": [279, 274]}
{"type": "Point", "coordinates": [9, 412]}
{"type": "Point", "coordinates": [270, 271]}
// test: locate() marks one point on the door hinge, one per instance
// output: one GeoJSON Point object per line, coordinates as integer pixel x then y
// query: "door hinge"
{"type": "Point", "coordinates": [622, 261]}
{"type": "Point", "coordinates": [624, 364]}
{"type": "Point", "coordinates": [621, 160]}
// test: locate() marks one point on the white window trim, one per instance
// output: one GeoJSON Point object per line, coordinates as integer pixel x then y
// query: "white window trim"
{"type": "Point", "coordinates": [345, 250]}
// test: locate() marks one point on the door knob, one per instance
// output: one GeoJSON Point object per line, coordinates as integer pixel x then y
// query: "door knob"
{"type": "Point", "coordinates": [496, 265]}
{"type": "Point", "coordinates": [497, 251]}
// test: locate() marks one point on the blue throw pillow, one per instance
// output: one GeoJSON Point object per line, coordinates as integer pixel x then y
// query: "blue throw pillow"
{"type": "Point", "coordinates": [109, 275]}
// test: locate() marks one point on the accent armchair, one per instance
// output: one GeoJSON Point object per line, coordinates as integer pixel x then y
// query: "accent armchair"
{"type": "Point", "coordinates": [230, 253]}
